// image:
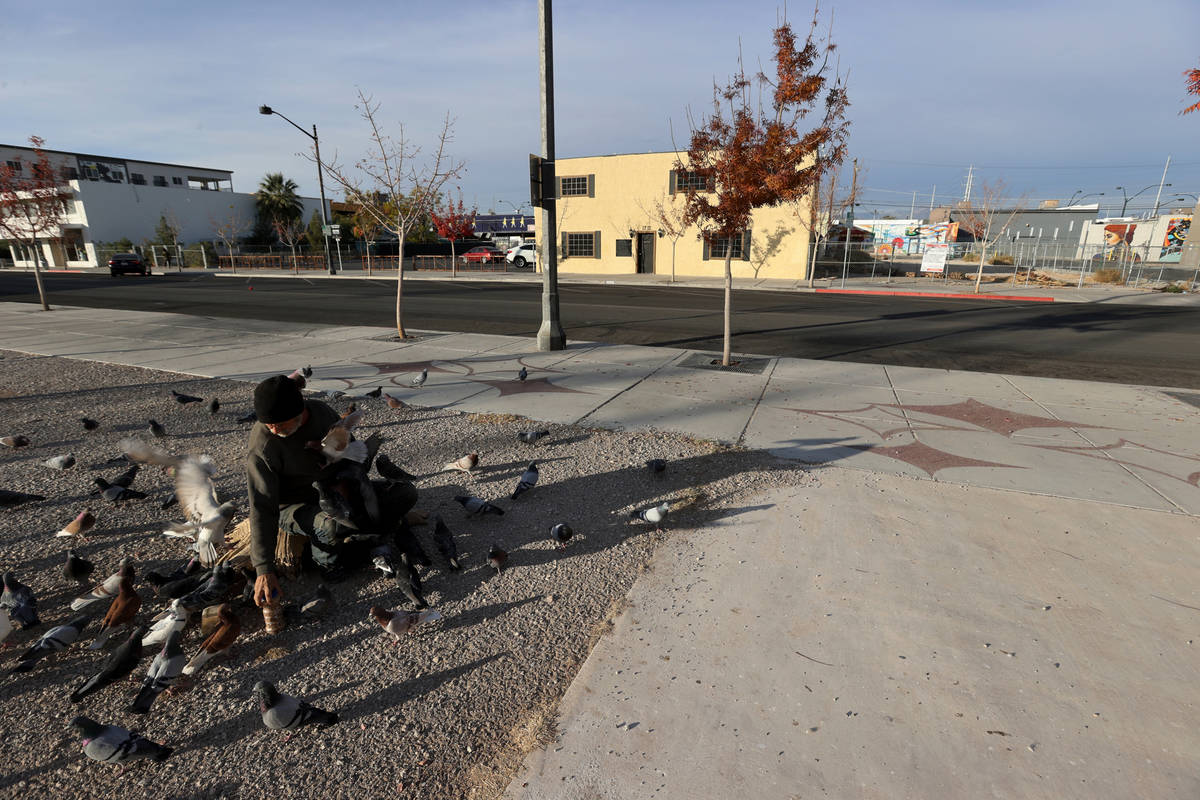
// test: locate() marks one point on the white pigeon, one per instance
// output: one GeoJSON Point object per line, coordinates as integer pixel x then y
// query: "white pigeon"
{"type": "Point", "coordinates": [654, 514]}
{"type": "Point", "coordinates": [145, 453]}
{"type": "Point", "coordinates": [198, 499]}
{"type": "Point", "coordinates": [104, 591]}
{"type": "Point", "coordinates": [175, 618]}
{"type": "Point", "coordinates": [419, 381]}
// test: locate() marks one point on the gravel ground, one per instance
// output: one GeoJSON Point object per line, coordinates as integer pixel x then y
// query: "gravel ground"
{"type": "Point", "coordinates": [452, 710]}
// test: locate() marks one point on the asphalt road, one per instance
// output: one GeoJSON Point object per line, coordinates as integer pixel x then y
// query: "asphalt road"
{"type": "Point", "coordinates": [1119, 343]}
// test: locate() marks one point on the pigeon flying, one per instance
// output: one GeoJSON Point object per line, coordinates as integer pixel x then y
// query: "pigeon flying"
{"type": "Point", "coordinates": [14, 441]}
{"type": "Point", "coordinates": [164, 671]}
{"type": "Point", "coordinates": [532, 437]}
{"type": "Point", "coordinates": [398, 623]}
{"type": "Point", "coordinates": [496, 558]}
{"type": "Point", "coordinates": [113, 744]}
{"type": "Point", "coordinates": [465, 463]}
{"type": "Point", "coordinates": [477, 506]}
{"type": "Point", "coordinates": [184, 399]}
{"type": "Point", "coordinates": [528, 480]}
{"type": "Point", "coordinates": [77, 568]}
{"type": "Point", "coordinates": [561, 533]}
{"type": "Point", "coordinates": [197, 498]}
{"type": "Point", "coordinates": [120, 663]}
{"type": "Point", "coordinates": [60, 462]}
{"type": "Point", "coordinates": [19, 599]}
{"type": "Point", "coordinates": [281, 712]}
{"type": "Point", "coordinates": [89, 424]}
{"type": "Point", "coordinates": [80, 525]}
{"type": "Point", "coordinates": [444, 539]}
{"type": "Point", "coordinates": [55, 639]}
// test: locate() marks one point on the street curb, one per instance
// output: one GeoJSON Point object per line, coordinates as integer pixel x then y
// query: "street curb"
{"type": "Point", "coordinates": [1023, 299]}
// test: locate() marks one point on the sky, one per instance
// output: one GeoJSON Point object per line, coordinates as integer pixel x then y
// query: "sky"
{"type": "Point", "coordinates": [1055, 98]}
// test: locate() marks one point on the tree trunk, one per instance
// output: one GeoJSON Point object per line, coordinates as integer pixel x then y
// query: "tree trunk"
{"type": "Point", "coordinates": [812, 262]}
{"type": "Point", "coordinates": [295, 266]}
{"type": "Point", "coordinates": [674, 242]}
{"type": "Point", "coordinates": [979, 272]}
{"type": "Point", "coordinates": [453, 262]}
{"type": "Point", "coordinates": [400, 286]}
{"type": "Point", "coordinates": [37, 275]}
{"type": "Point", "coordinates": [728, 302]}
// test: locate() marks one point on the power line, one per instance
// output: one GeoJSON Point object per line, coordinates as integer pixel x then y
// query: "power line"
{"type": "Point", "coordinates": [869, 160]}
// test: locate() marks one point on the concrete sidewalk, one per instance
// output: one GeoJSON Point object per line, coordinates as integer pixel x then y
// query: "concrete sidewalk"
{"type": "Point", "coordinates": [1018, 551]}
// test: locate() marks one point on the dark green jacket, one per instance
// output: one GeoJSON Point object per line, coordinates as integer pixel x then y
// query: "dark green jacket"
{"type": "Point", "coordinates": [279, 472]}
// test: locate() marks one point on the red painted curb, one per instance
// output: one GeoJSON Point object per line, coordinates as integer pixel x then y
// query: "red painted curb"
{"type": "Point", "coordinates": [1027, 299]}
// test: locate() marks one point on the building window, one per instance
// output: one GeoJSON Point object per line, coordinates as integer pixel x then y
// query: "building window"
{"type": "Point", "coordinates": [624, 247]}
{"type": "Point", "coordinates": [160, 180]}
{"type": "Point", "coordinates": [137, 179]}
{"type": "Point", "coordinates": [718, 245]}
{"type": "Point", "coordinates": [581, 244]}
{"type": "Point", "coordinates": [69, 174]}
{"type": "Point", "coordinates": [15, 166]}
{"type": "Point", "coordinates": [575, 186]}
{"type": "Point", "coordinates": [177, 181]}
{"type": "Point", "coordinates": [686, 180]}
{"type": "Point", "coordinates": [68, 205]}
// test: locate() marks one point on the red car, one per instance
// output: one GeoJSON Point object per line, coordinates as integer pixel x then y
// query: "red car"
{"type": "Point", "coordinates": [482, 255]}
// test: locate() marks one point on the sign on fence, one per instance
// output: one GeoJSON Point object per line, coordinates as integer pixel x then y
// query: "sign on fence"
{"type": "Point", "coordinates": [934, 259]}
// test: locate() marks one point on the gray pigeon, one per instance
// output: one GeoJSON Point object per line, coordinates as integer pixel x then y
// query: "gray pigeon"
{"type": "Point", "coordinates": [113, 744]}
{"type": "Point", "coordinates": [60, 462]}
{"type": "Point", "coordinates": [164, 670]}
{"type": "Point", "coordinates": [532, 437]}
{"type": "Point", "coordinates": [281, 712]}
{"type": "Point", "coordinates": [120, 663]}
{"type": "Point", "coordinates": [55, 639]}
{"type": "Point", "coordinates": [222, 582]}
{"type": "Point", "coordinates": [522, 375]}
{"type": "Point", "coordinates": [20, 600]}
{"type": "Point", "coordinates": [419, 381]}
{"type": "Point", "coordinates": [528, 480]}
{"type": "Point", "coordinates": [561, 533]}
{"type": "Point", "coordinates": [77, 568]}
{"type": "Point", "coordinates": [335, 504]}
{"type": "Point", "coordinates": [477, 506]}
{"type": "Point", "coordinates": [444, 539]}
{"type": "Point", "coordinates": [184, 399]}
{"type": "Point", "coordinates": [117, 494]}
{"type": "Point", "coordinates": [157, 429]}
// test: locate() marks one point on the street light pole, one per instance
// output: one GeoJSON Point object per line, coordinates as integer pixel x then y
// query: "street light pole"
{"type": "Point", "coordinates": [268, 111]}
{"type": "Point", "coordinates": [550, 335]}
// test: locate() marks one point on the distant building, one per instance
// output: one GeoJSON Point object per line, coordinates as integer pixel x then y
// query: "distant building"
{"type": "Point", "coordinates": [118, 198]}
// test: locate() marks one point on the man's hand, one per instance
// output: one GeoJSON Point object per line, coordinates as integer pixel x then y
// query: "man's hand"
{"type": "Point", "coordinates": [266, 590]}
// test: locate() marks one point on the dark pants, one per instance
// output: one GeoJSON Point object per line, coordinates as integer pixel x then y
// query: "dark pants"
{"type": "Point", "coordinates": [325, 534]}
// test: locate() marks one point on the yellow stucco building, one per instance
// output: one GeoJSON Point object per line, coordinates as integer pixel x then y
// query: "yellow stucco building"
{"type": "Point", "coordinates": [609, 223]}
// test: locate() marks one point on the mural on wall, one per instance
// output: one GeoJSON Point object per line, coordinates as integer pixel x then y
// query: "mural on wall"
{"type": "Point", "coordinates": [1118, 243]}
{"type": "Point", "coordinates": [908, 236]}
{"type": "Point", "coordinates": [1177, 233]}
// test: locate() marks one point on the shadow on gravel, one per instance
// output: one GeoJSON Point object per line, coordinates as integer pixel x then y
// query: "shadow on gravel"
{"type": "Point", "coordinates": [393, 695]}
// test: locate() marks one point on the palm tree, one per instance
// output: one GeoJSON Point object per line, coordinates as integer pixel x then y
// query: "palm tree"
{"type": "Point", "coordinates": [276, 199]}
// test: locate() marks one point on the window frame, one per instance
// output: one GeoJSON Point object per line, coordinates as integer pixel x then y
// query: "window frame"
{"type": "Point", "coordinates": [580, 237]}
{"type": "Point", "coordinates": [582, 186]}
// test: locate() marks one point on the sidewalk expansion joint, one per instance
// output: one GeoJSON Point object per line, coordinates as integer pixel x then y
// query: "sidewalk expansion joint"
{"type": "Point", "coordinates": [900, 403]}
{"type": "Point", "coordinates": [757, 402]}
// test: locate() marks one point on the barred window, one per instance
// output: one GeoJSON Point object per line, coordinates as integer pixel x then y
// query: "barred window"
{"type": "Point", "coordinates": [15, 166]}
{"type": "Point", "coordinates": [159, 180]}
{"type": "Point", "coordinates": [689, 179]}
{"type": "Point", "coordinates": [581, 244]}
{"type": "Point", "coordinates": [575, 187]}
{"type": "Point", "coordinates": [177, 181]}
{"type": "Point", "coordinates": [137, 178]}
{"type": "Point", "coordinates": [624, 247]}
{"type": "Point", "coordinates": [718, 245]}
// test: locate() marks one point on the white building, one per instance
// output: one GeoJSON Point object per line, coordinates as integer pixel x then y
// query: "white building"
{"type": "Point", "coordinates": [119, 198]}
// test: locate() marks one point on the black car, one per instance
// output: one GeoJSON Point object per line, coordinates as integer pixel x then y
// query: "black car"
{"type": "Point", "coordinates": [127, 263]}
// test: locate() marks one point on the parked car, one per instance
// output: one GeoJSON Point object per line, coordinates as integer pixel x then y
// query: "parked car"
{"type": "Point", "coordinates": [482, 255]}
{"type": "Point", "coordinates": [522, 255]}
{"type": "Point", "coordinates": [122, 263]}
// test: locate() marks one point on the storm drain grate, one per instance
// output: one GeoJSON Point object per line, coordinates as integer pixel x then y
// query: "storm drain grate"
{"type": "Point", "coordinates": [748, 365]}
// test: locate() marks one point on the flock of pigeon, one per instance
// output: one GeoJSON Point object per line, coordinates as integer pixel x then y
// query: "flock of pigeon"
{"type": "Point", "coordinates": [202, 588]}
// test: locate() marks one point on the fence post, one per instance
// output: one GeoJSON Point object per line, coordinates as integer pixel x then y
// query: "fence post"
{"type": "Point", "coordinates": [154, 255]}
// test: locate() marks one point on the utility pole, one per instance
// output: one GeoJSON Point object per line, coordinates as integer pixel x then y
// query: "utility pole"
{"type": "Point", "coordinates": [970, 179]}
{"type": "Point", "coordinates": [550, 335]}
{"type": "Point", "coordinates": [1158, 196]}
{"type": "Point", "coordinates": [931, 196]}
{"type": "Point", "coordinates": [912, 209]}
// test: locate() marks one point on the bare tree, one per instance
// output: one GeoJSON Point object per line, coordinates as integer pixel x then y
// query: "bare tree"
{"type": "Point", "coordinates": [290, 232]}
{"type": "Point", "coordinates": [671, 219]}
{"type": "Point", "coordinates": [401, 192]}
{"type": "Point", "coordinates": [230, 228]}
{"type": "Point", "coordinates": [987, 218]}
{"type": "Point", "coordinates": [32, 206]}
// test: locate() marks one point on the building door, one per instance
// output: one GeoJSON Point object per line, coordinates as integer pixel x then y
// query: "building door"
{"type": "Point", "coordinates": [645, 253]}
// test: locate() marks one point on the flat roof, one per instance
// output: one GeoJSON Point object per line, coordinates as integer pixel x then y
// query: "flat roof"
{"type": "Point", "coordinates": [114, 158]}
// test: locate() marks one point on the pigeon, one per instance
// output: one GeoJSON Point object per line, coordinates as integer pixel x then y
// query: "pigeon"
{"type": "Point", "coordinates": [113, 744]}
{"type": "Point", "coordinates": [419, 381]}
{"type": "Point", "coordinates": [656, 465]}
{"type": "Point", "coordinates": [79, 526]}
{"type": "Point", "coordinates": [77, 568]}
{"type": "Point", "coordinates": [281, 712]}
{"type": "Point", "coordinates": [528, 480]}
{"type": "Point", "coordinates": [401, 568]}
{"type": "Point", "coordinates": [121, 612]}
{"type": "Point", "coordinates": [299, 378]}
{"type": "Point", "coordinates": [19, 599]}
{"type": "Point", "coordinates": [496, 558]}
{"type": "Point", "coordinates": [477, 506]}
{"type": "Point", "coordinates": [175, 618]}
{"type": "Point", "coordinates": [55, 639]}
{"type": "Point", "coordinates": [140, 452]}
{"type": "Point", "coordinates": [337, 444]}
{"type": "Point", "coordinates": [164, 670]}
{"type": "Point", "coordinates": [390, 471]}
{"type": "Point", "coordinates": [307, 371]}
{"type": "Point", "coordinates": [12, 499]}
{"type": "Point", "coordinates": [321, 602]}
{"type": "Point", "coordinates": [60, 462]}
{"type": "Point", "coordinates": [561, 533]}
{"type": "Point", "coordinates": [157, 429]}
{"type": "Point", "coordinates": [189, 567]}
{"type": "Point", "coordinates": [179, 588]}
{"type": "Point", "coordinates": [214, 406]}
{"type": "Point", "coordinates": [653, 514]}
{"type": "Point", "coordinates": [335, 504]}
{"type": "Point", "coordinates": [120, 663]}
{"type": "Point", "coordinates": [219, 642]}
{"type": "Point", "coordinates": [395, 403]}
{"type": "Point", "coordinates": [522, 375]}
{"type": "Point", "coordinates": [89, 424]}
{"type": "Point", "coordinates": [117, 494]}
{"type": "Point", "coordinates": [14, 441]}
{"type": "Point", "coordinates": [105, 590]}
{"type": "Point", "coordinates": [210, 620]}
{"type": "Point", "coordinates": [126, 478]}
{"type": "Point", "coordinates": [532, 437]}
{"type": "Point", "coordinates": [171, 499]}
{"type": "Point", "coordinates": [6, 626]}
{"type": "Point", "coordinates": [251, 417]}
{"type": "Point", "coordinates": [224, 582]}
{"type": "Point", "coordinates": [375, 393]}
{"type": "Point", "coordinates": [465, 463]}
{"type": "Point", "coordinates": [398, 623]}
{"type": "Point", "coordinates": [184, 399]}
{"type": "Point", "coordinates": [197, 498]}
{"type": "Point", "coordinates": [444, 539]}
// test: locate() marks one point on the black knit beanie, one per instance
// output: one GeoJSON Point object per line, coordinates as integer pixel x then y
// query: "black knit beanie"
{"type": "Point", "coordinates": [278, 399]}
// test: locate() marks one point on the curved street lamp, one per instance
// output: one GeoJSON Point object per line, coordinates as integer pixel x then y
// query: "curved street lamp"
{"type": "Point", "coordinates": [1126, 198]}
{"type": "Point", "coordinates": [268, 111]}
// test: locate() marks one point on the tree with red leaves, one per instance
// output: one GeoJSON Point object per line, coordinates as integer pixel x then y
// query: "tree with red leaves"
{"type": "Point", "coordinates": [742, 158]}
{"type": "Point", "coordinates": [1193, 88]}
{"type": "Point", "coordinates": [454, 223]}
{"type": "Point", "coordinates": [32, 206]}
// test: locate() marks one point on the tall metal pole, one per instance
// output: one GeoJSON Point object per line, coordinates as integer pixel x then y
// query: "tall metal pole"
{"type": "Point", "coordinates": [324, 217]}
{"type": "Point", "coordinates": [1161, 183]}
{"type": "Point", "coordinates": [550, 335]}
